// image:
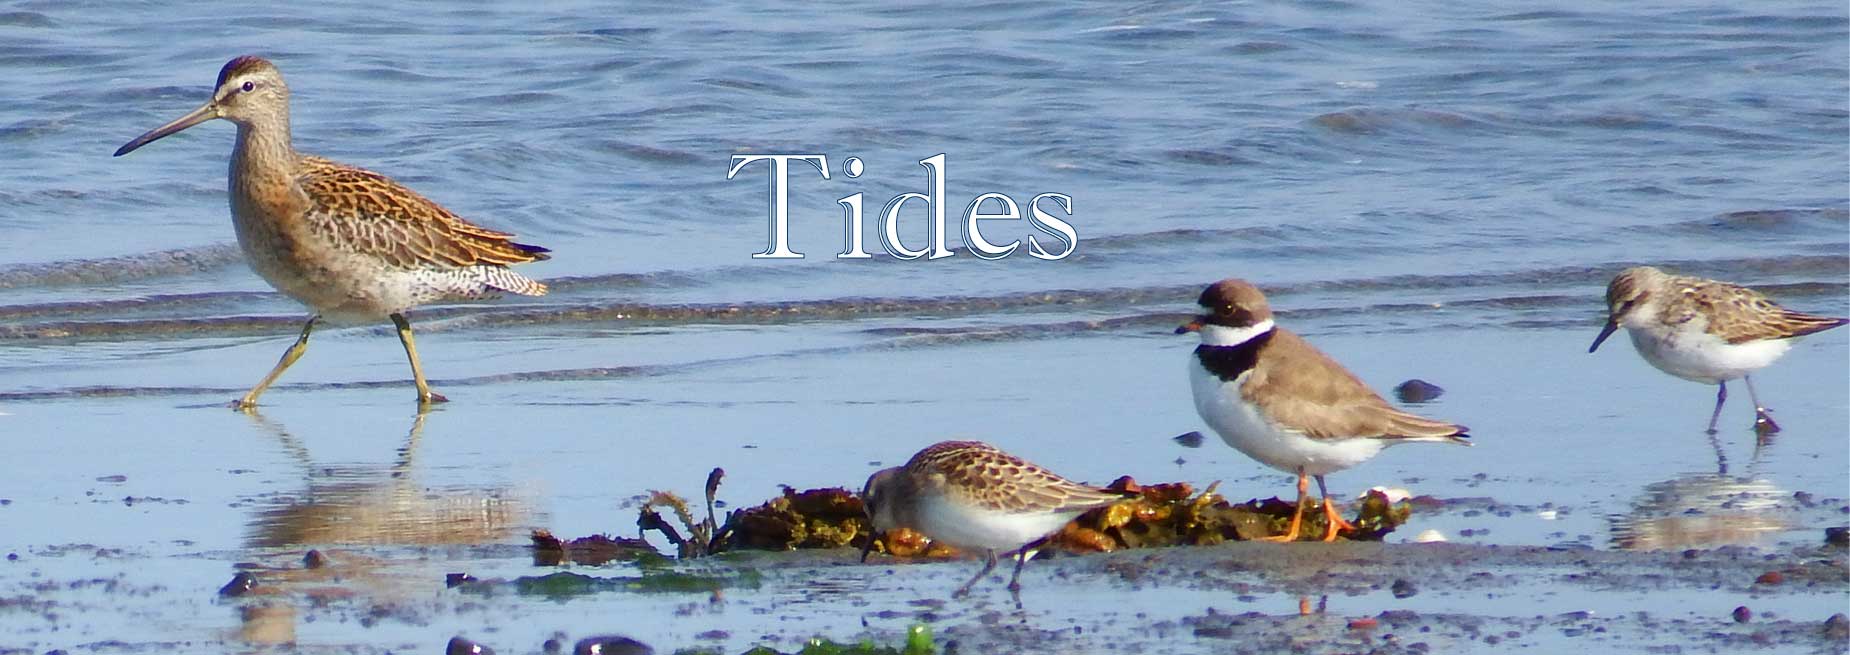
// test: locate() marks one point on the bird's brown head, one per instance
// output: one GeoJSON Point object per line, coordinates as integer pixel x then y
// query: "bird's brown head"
{"type": "Point", "coordinates": [1232, 303]}
{"type": "Point", "coordinates": [1627, 293]}
{"type": "Point", "coordinates": [250, 91]}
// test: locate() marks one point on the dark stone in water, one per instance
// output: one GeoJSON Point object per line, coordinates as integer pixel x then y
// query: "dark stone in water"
{"type": "Point", "coordinates": [461, 646]}
{"type": "Point", "coordinates": [240, 584]}
{"type": "Point", "coordinates": [453, 579]}
{"type": "Point", "coordinates": [314, 559]}
{"type": "Point", "coordinates": [1838, 536]}
{"type": "Point", "coordinates": [1189, 439]}
{"type": "Point", "coordinates": [1417, 391]}
{"type": "Point", "coordinates": [1403, 589]}
{"type": "Point", "coordinates": [1837, 627]}
{"type": "Point", "coordinates": [1743, 615]}
{"type": "Point", "coordinates": [611, 645]}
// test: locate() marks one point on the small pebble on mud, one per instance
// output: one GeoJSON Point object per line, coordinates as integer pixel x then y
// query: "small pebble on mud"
{"type": "Point", "coordinates": [461, 646]}
{"type": "Point", "coordinates": [1838, 536]}
{"type": "Point", "coordinates": [1403, 589]}
{"type": "Point", "coordinates": [1189, 439]}
{"type": "Point", "coordinates": [314, 559]}
{"type": "Point", "coordinates": [453, 579]}
{"type": "Point", "coordinates": [611, 645]}
{"type": "Point", "coordinates": [1837, 627]}
{"type": "Point", "coordinates": [1770, 577]}
{"type": "Point", "coordinates": [1743, 615]}
{"type": "Point", "coordinates": [240, 584]}
{"type": "Point", "coordinates": [1417, 391]}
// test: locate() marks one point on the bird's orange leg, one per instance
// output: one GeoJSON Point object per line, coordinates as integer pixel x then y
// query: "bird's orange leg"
{"type": "Point", "coordinates": [1297, 517]}
{"type": "Point", "coordinates": [1333, 521]}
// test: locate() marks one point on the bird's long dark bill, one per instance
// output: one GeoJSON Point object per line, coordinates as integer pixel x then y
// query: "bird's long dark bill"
{"type": "Point", "coordinates": [1191, 326]}
{"type": "Point", "coordinates": [1611, 326]}
{"type": "Point", "coordinates": [204, 113]}
{"type": "Point", "coordinates": [867, 549]}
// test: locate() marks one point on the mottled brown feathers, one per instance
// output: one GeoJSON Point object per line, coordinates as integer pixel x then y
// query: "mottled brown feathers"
{"type": "Point", "coordinates": [1734, 313]}
{"type": "Point", "coordinates": [371, 213]}
{"type": "Point", "coordinates": [987, 476]}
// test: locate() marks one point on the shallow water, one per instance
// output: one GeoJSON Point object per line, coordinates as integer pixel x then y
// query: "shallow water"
{"type": "Point", "coordinates": [1425, 191]}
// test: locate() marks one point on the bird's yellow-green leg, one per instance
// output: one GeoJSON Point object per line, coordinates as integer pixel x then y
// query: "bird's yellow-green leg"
{"type": "Point", "coordinates": [1297, 517]}
{"type": "Point", "coordinates": [289, 356]}
{"type": "Point", "coordinates": [425, 395]}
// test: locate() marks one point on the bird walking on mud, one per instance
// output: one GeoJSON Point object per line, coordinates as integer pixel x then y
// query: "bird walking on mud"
{"type": "Point", "coordinates": [351, 244]}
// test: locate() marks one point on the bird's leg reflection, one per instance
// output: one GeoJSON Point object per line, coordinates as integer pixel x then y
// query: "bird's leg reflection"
{"type": "Point", "coordinates": [1721, 456]}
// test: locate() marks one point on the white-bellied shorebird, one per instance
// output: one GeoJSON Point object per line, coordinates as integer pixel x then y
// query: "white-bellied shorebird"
{"type": "Point", "coordinates": [349, 243]}
{"type": "Point", "coordinates": [973, 496]}
{"type": "Point", "coordinates": [1272, 395]}
{"type": "Point", "coordinates": [1704, 331]}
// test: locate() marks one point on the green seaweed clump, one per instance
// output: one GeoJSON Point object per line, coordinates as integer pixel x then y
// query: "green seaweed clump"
{"type": "Point", "coordinates": [566, 584]}
{"type": "Point", "coordinates": [918, 642]}
{"type": "Point", "coordinates": [1173, 515]}
{"type": "Point", "coordinates": [816, 518]}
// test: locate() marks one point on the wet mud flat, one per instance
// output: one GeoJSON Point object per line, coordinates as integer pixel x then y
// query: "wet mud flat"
{"type": "Point", "coordinates": [1231, 598]}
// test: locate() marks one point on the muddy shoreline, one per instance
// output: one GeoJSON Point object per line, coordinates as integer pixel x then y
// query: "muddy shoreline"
{"type": "Point", "coordinates": [1235, 597]}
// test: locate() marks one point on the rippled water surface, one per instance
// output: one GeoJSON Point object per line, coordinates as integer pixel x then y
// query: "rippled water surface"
{"type": "Point", "coordinates": [1426, 190]}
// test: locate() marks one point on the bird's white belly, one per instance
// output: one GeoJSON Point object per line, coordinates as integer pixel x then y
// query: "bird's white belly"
{"type": "Point", "coordinates": [1242, 426]}
{"type": "Point", "coordinates": [1693, 354]}
{"type": "Point", "coordinates": [968, 527]}
{"type": "Point", "coordinates": [356, 287]}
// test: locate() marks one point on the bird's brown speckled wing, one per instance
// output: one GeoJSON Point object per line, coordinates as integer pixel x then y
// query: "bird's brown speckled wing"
{"type": "Point", "coordinates": [982, 473]}
{"type": "Point", "coordinates": [370, 213]}
{"type": "Point", "coordinates": [1738, 314]}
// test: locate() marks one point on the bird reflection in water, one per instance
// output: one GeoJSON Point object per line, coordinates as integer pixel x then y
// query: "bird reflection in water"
{"type": "Point", "coordinates": [1704, 510]}
{"type": "Point", "coordinates": [352, 506]}
{"type": "Point", "coordinates": [367, 504]}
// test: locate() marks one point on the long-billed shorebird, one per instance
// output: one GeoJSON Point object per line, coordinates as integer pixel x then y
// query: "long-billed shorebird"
{"type": "Point", "coordinates": [1272, 395]}
{"type": "Point", "coordinates": [973, 496]}
{"type": "Point", "coordinates": [1704, 331]}
{"type": "Point", "coordinates": [351, 244]}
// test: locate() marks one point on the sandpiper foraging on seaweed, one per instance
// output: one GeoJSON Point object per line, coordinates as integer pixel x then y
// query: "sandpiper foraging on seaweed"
{"type": "Point", "coordinates": [974, 496]}
{"type": "Point", "coordinates": [1705, 331]}
{"type": "Point", "coordinates": [349, 243]}
{"type": "Point", "coordinates": [1281, 401]}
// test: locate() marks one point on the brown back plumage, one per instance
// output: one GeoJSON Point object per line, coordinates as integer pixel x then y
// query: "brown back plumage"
{"type": "Point", "coordinates": [370, 213]}
{"type": "Point", "coordinates": [1738, 314]}
{"type": "Point", "coordinates": [987, 476]}
{"type": "Point", "coordinates": [1302, 388]}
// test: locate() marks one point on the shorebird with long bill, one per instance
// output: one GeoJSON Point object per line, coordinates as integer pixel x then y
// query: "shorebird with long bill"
{"type": "Point", "coordinates": [351, 244]}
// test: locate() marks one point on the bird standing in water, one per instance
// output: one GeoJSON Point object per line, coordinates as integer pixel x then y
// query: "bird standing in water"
{"type": "Point", "coordinates": [349, 243]}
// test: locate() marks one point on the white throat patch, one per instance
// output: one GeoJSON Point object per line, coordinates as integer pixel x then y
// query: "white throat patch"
{"type": "Point", "coordinates": [1221, 335]}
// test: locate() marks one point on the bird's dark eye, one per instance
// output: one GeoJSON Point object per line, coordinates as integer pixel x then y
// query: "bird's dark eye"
{"type": "Point", "coordinates": [248, 86]}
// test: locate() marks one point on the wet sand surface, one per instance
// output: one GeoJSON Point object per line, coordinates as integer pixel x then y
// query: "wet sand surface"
{"type": "Point", "coordinates": [1240, 597]}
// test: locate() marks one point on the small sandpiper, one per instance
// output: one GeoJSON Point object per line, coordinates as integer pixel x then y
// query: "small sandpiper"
{"type": "Point", "coordinates": [351, 244]}
{"type": "Point", "coordinates": [1705, 331]}
{"type": "Point", "coordinates": [974, 497]}
{"type": "Point", "coordinates": [1276, 398]}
